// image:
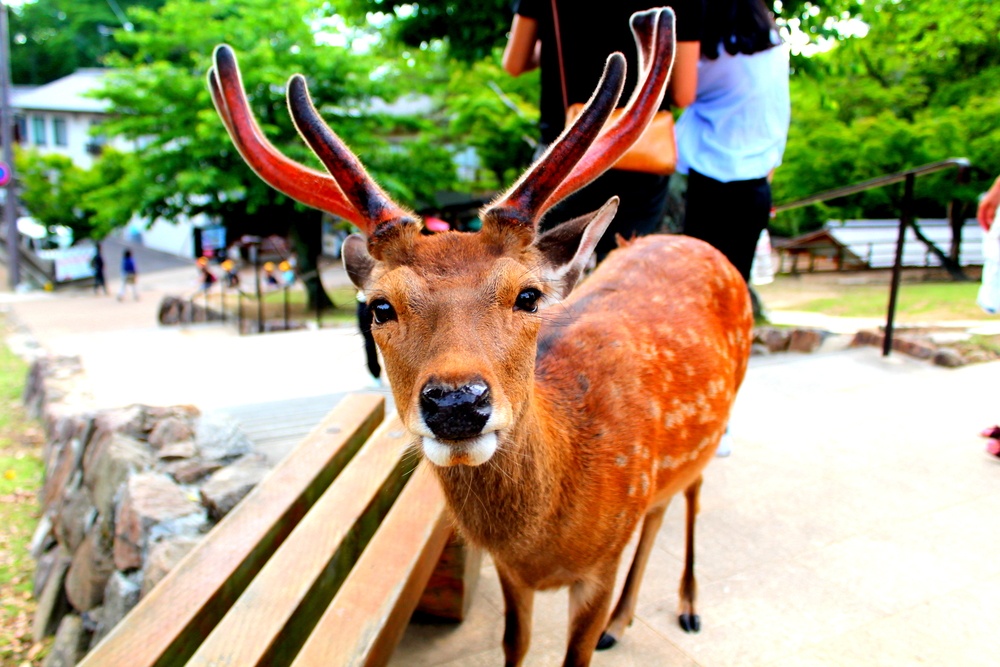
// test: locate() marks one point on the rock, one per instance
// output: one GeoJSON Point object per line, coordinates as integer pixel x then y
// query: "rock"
{"type": "Point", "coordinates": [89, 572]}
{"type": "Point", "coordinates": [66, 462]}
{"type": "Point", "coordinates": [120, 596]}
{"type": "Point", "coordinates": [867, 337]}
{"type": "Point", "coordinates": [914, 348]}
{"type": "Point", "coordinates": [948, 358]}
{"type": "Point", "coordinates": [219, 438]}
{"type": "Point", "coordinates": [229, 485]}
{"type": "Point", "coordinates": [163, 557]}
{"type": "Point", "coordinates": [188, 471]}
{"type": "Point", "coordinates": [130, 421]}
{"type": "Point", "coordinates": [805, 340]}
{"type": "Point", "coordinates": [177, 450]}
{"type": "Point", "coordinates": [149, 499]}
{"type": "Point", "coordinates": [776, 340]}
{"type": "Point", "coordinates": [120, 456]}
{"type": "Point", "coordinates": [43, 537]}
{"type": "Point", "coordinates": [71, 640]}
{"type": "Point", "coordinates": [170, 430]}
{"type": "Point", "coordinates": [75, 515]}
{"type": "Point", "coordinates": [759, 350]}
{"type": "Point", "coordinates": [52, 602]}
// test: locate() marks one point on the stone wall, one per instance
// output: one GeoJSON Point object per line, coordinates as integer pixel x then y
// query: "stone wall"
{"type": "Point", "coordinates": [128, 492]}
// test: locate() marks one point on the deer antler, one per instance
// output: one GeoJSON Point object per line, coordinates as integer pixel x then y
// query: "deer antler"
{"type": "Point", "coordinates": [654, 37]}
{"type": "Point", "coordinates": [308, 186]}
{"type": "Point", "coordinates": [359, 188]}
{"type": "Point", "coordinates": [348, 192]}
{"type": "Point", "coordinates": [583, 152]}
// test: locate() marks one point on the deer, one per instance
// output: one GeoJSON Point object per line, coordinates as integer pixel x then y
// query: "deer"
{"type": "Point", "coordinates": [559, 419]}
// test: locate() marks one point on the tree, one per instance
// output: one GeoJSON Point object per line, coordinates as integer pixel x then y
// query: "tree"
{"type": "Point", "coordinates": [472, 30]}
{"type": "Point", "coordinates": [187, 163]}
{"type": "Point", "coordinates": [54, 38]}
{"type": "Point", "coordinates": [916, 89]}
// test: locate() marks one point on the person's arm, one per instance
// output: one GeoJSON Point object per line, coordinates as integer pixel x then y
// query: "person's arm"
{"type": "Point", "coordinates": [522, 51]}
{"type": "Point", "coordinates": [988, 205]}
{"type": "Point", "coordinates": [684, 79]}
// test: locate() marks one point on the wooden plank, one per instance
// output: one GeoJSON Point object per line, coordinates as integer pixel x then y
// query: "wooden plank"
{"type": "Point", "coordinates": [272, 619]}
{"type": "Point", "coordinates": [169, 623]}
{"type": "Point", "coordinates": [366, 620]}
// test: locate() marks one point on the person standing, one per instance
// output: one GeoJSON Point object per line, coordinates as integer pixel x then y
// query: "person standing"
{"type": "Point", "coordinates": [129, 275]}
{"type": "Point", "coordinates": [587, 36]}
{"type": "Point", "coordinates": [97, 264]}
{"type": "Point", "coordinates": [732, 138]}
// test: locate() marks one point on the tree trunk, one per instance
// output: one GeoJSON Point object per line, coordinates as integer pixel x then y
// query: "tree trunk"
{"type": "Point", "coordinates": [307, 240]}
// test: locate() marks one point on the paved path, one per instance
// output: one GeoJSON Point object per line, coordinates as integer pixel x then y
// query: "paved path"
{"type": "Point", "coordinates": [856, 522]}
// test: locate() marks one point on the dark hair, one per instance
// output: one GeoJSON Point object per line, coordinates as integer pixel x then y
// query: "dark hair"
{"type": "Point", "coordinates": [740, 26]}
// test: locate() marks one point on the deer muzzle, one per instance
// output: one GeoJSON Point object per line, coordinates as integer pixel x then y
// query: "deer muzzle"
{"type": "Point", "coordinates": [456, 416]}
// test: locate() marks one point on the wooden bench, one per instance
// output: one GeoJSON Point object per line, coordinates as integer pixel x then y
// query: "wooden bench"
{"type": "Point", "coordinates": [322, 564]}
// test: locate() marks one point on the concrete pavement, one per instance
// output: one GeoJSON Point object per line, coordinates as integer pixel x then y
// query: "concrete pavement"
{"type": "Point", "coordinates": [856, 522]}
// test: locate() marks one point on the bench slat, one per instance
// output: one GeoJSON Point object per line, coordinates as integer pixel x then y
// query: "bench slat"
{"type": "Point", "coordinates": [368, 616]}
{"type": "Point", "coordinates": [168, 624]}
{"type": "Point", "coordinates": [272, 619]}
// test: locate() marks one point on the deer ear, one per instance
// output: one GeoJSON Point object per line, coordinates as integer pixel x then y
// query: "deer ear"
{"type": "Point", "coordinates": [566, 248]}
{"type": "Point", "coordinates": [357, 261]}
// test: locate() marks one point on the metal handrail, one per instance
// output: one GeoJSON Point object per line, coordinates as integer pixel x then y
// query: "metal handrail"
{"type": "Point", "coordinates": [881, 181]}
{"type": "Point", "coordinates": [906, 218]}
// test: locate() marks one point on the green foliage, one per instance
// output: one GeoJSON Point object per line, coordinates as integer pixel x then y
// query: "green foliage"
{"type": "Point", "coordinates": [497, 115]}
{"type": "Point", "coordinates": [187, 163]}
{"type": "Point", "coordinates": [920, 87]}
{"type": "Point", "coordinates": [53, 38]}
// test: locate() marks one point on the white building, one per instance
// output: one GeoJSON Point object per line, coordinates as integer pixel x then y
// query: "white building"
{"type": "Point", "coordinates": [59, 118]}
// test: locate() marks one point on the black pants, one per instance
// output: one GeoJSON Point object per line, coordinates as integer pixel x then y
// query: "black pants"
{"type": "Point", "coordinates": [640, 212]}
{"type": "Point", "coordinates": [730, 216]}
{"type": "Point", "coordinates": [371, 352]}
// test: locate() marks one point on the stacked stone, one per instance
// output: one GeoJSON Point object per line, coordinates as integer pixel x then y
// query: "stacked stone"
{"type": "Point", "coordinates": [128, 493]}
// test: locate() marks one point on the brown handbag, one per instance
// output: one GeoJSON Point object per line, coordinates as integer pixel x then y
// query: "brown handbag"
{"type": "Point", "coordinates": [655, 152]}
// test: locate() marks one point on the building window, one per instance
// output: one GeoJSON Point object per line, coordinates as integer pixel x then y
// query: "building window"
{"type": "Point", "coordinates": [38, 130]}
{"type": "Point", "coordinates": [59, 132]}
{"type": "Point", "coordinates": [20, 129]}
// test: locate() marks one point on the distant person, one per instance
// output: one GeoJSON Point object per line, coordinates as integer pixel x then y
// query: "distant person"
{"type": "Point", "coordinates": [584, 40]}
{"type": "Point", "coordinates": [206, 277]}
{"type": "Point", "coordinates": [270, 279]}
{"type": "Point", "coordinates": [97, 264]}
{"type": "Point", "coordinates": [232, 276]}
{"type": "Point", "coordinates": [365, 325]}
{"type": "Point", "coordinates": [732, 138]}
{"type": "Point", "coordinates": [988, 205]}
{"type": "Point", "coordinates": [129, 275]}
{"type": "Point", "coordinates": [986, 214]}
{"type": "Point", "coordinates": [287, 273]}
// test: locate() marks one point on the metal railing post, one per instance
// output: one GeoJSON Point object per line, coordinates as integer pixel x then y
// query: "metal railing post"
{"type": "Point", "coordinates": [905, 220]}
{"type": "Point", "coordinates": [284, 293]}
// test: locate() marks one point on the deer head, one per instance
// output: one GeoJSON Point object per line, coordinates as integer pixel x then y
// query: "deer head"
{"type": "Point", "coordinates": [457, 314]}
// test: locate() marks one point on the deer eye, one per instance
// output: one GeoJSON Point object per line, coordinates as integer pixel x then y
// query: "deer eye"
{"type": "Point", "coordinates": [382, 311]}
{"type": "Point", "coordinates": [527, 300]}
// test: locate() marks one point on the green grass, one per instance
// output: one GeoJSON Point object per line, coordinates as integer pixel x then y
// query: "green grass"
{"type": "Point", "coordinates": [343, 311]}
{"type": "Point", "coordinates": [917, 301]}
{"type": "Point", "coordinates": [20, 479]}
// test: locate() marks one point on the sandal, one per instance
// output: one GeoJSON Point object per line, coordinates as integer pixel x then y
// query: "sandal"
{"type": "Point", "coordinates": [991, 432]}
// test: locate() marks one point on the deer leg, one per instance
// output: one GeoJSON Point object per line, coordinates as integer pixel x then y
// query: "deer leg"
{"type": "Point", "coordinates": [589, 602]}
{"type": "Point", "coordinates": [689, 620]}
{"type": "Point", "coordinates": [625, 609]}
{"type": "Point", "coordinates": [518, 601]}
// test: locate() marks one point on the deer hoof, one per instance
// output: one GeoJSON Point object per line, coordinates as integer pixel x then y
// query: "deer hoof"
{"type": "Point", "coordinates": [606, 641]}
{"type": "Point", "coordinates": [690, 622]}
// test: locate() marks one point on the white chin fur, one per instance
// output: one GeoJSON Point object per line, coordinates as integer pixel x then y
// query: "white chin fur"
{"type": "Point", "coordinates": [472, 452]}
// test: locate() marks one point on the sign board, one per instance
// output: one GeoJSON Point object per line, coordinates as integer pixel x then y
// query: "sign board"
{"type": "Point", "coordinates": [4, 174]}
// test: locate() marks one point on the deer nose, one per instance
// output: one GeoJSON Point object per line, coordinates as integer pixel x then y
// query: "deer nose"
{"type": "Point", "coordinates": [456, 413]}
